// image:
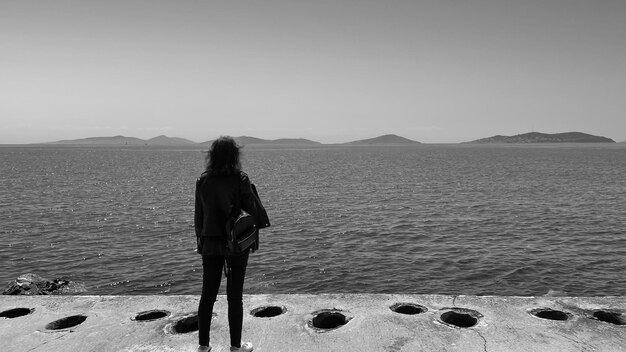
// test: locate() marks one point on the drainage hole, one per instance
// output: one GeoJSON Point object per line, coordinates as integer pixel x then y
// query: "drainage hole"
{"type": "Point", "coordinates": [186, 325]}
{"type": "Point", "coordinates": [461, 320]}
{"type": "Point", "coordinates": [329, 320]}
{"type": "Point", "coordinates": [67, 322]}
{"type": "Point", "coordinates": [151, 315]}
{"type": "Point", "coordinates": [408, 308]}
{"type": "Point", "coordinates": [16, 312]}
{"type": "Point", "coordinates": [268, 312]}
{"type": "Point", "coordinates": [550, 314]}
{"type": "Point", "coordinates": [610, 317]}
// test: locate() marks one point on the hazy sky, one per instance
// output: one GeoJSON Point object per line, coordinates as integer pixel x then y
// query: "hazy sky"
{"type": "Point", "coordinates": [333, 71]}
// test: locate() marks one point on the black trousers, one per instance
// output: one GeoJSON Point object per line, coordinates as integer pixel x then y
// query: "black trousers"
{"type": "Point", "coordinates": [212, 267]}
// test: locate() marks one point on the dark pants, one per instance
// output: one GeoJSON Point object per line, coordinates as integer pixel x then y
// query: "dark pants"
{"type": "Point", "coordinates": [212, 266]}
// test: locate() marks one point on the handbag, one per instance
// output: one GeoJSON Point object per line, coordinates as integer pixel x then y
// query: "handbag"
{"type": "Point", "coordinates": [242, 232]}
{"type": "Point", "coordinates": [242, 229]}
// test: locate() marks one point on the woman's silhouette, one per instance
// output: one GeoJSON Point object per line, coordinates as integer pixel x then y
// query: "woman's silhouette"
{"type": "Point", "coordinates": [220, 187]}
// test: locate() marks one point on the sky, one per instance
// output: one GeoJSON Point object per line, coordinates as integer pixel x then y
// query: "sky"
{"type": "Point", "coordinates": [435, 71]}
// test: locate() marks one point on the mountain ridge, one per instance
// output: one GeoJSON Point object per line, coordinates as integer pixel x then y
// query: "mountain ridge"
{"type": "Point", "coordinates": [387, 139]}
{"type": "Point", "coordinates": [384, 139]}
{"type": "Point", "coordinates": [163, 140]}
{"type": "Point", "coordinates": [247, 140]}
{"type": "Point", "coordinates": [538, 137]}
{"type": "Point", "coordinates": [115, 140]}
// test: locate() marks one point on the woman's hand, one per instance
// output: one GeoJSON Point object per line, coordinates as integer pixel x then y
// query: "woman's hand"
{"type": "Point", "coordinates": [199, 245]}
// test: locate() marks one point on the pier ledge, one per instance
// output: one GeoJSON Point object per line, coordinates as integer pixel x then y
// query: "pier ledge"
{"type": "Point", "coordinates": [325, 322]}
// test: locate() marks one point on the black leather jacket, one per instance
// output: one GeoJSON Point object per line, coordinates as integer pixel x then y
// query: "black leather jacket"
{"type": "Point", "coordinates": [215, 197]}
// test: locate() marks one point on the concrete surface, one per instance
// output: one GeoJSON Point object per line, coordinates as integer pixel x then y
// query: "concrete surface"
{"type": "Point", "coordinates": [502, 323]}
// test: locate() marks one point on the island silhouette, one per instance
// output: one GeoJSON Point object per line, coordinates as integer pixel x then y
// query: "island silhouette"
{"type": "Point", "coordinates": [243, 140]}
{"type": "Point", "coordinates": [537, 137]}
{"type": "Point", "coordinates": [387, 139]}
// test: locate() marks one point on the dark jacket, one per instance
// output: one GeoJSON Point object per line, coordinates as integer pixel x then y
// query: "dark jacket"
{"type": "Point", "coordinates": [216, 196]}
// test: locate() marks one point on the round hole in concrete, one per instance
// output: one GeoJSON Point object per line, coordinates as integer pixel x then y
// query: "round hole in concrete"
{"type": "Point", "coordinates": [550, 314]}
{"type": "Point", "coordinates": [186, 325]}
{"type": "Point", "coordinates": [16, 312]}
{"type": "Point", "coordinates": [459, 319]}
{"type": "Point", "coordinates": [328, 320]}
{"type": "Point", "coordinates": [408, 308]}
{"type": "Point", "coordinates": [67, 322]}
{"type": "Point", "coordinates": [609, 317]}
{"type": "Point", "coordinates": [268, 312]}
{"type": "Point", "coordinates": [150, 315]}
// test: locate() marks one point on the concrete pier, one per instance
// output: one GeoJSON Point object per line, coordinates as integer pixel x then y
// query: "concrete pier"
{"type": "Point", "coordinates": [307, 323]}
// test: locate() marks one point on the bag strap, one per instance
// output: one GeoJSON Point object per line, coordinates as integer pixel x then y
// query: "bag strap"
{"type": "Point", "coordinates": [236, 209]}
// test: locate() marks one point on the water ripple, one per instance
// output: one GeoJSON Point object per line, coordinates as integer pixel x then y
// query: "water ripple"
{"type": "Point", "coordinates": [429, 219]}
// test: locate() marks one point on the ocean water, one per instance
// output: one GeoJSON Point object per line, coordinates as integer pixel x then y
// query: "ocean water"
{"type": "Point", "coordinates": [429, 219]}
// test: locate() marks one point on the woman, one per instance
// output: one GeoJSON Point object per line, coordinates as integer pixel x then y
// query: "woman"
{"type": "Point", "coordinates": [220, 188]}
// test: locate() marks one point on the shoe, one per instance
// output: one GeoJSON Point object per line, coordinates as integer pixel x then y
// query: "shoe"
{"type": "Point", "coordinates": [204, 348]}
{"type": "Point", "coordinates": [245, 347]}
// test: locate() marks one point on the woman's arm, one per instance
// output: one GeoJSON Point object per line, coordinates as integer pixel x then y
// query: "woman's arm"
{"type": "Point", "coordinates": [198, 213]}
{"type": "Point", "coordinates": [247, 197]}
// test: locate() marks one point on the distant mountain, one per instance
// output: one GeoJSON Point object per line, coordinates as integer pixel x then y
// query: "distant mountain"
{"type": "Point", "coordinates": [536, 137]}
{"type": "Point", "coordinates": [295, 141]}
{"type": "Point", "coordinates": [129, 141]}
{"type": "Point", "coordinates": [165, 140]}
{"type": "Point", "coordinates": [245, 140]}
{"type": "Point", "coordinates": [116, 140]}
{"type": "Point", "coordinates": [386, 139]}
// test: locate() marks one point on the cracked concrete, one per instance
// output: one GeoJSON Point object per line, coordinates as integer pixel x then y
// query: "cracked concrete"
{"type": "Point", "coordinates": [504, 324]}
{"type": "Point", "coordinates": [484, 339]}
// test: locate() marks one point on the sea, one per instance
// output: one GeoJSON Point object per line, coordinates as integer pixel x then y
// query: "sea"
{"type": "Point", "coordinates": [453, 219]}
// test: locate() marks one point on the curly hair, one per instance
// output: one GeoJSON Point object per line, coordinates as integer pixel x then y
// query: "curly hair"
{"type": "Point", "coordinates": [223, 157]}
